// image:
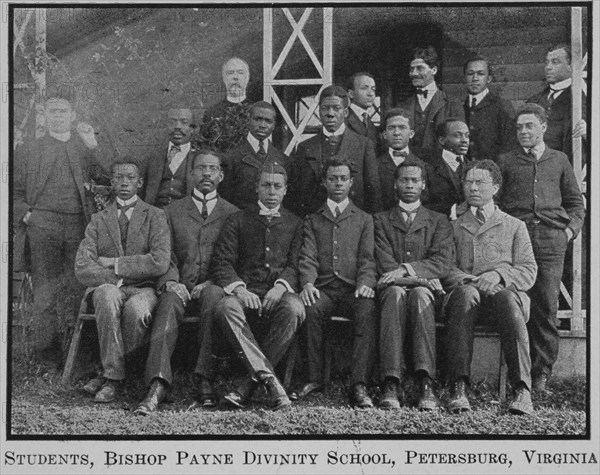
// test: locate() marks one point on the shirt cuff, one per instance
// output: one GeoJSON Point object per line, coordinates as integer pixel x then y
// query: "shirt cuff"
{"type": "Point", "coordinates": [285, 284]}
{"type": "Point", "coordinates": [409, 270]}
{"type": "Point", "coordinates": [230, 288]}
{"type": "Point", "coordinates": [117, 266]}
{"type": "Point", "coordinates": [119, 283]}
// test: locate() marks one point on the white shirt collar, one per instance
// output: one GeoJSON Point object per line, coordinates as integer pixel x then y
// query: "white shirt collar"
{"type": "Point", "coordinates": [62, 136]}
{"type": "Point", "coordinates": [264, 208]}
{"type": "Point", "coordinates": [451, 159]}
{"type": "Point", "coordinates": [412, 207]}
{"type": "Point", "coordinates": [398, 160]}
{"type": "Point", "coordinates": [130, 201]}
{"type": "Point", "coordinates": [479, 97]}
{"type": "Point", "coordinates": [210, 205]}
{"type": "Point", "coordinates": [359, 111]}
{"type": "Point", "coordinates": [236, 99]}
{"type": "Point", "coordinates": [559, 86]}
{"type": "Point", "coordinates": [339, 131]}
{"type": "Point", "coordinates": [209, 196]}
{"type": "Point", "coordinates": [539, 150]}
{"type": "Point", "coordinates": [431, 87]}
{"type": "Point", "coordinates": [332, 205]}
{"type": "Point", "coordinates": [185, 148]}
{"type": "Point", "coordinates": [255, 143]}
{"type": "Point", "coordinates": [488, 210]}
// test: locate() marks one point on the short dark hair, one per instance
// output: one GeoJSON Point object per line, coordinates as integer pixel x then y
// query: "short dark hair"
{"type": "Point", "coordinates": [351, 79]}
{"type": "Point", "coordinates": [442, 128]}
{"type": "Point", "coordinates": [564, 46]}
{"type": "Point", "coordinates": [535, 109]}
{"type": "Point", "coordinates": [336, 162]}
{"type": "Point", "coordinates": [397, 112]}
{"type": "Point", "coordinates": [411, 162]}
{"type": "Point", "coordinates": [185, 107]}
{"type": "Point", "coordinates": [126, 161]}
{"type": "Point", "coordinates": [429, 55]}
{"type": "Point", "coordinates": [485, 164]}
{"type": "Point", "coordinates": [335, 91]}
{"type": "Point", "coordinates": [478, 57]}
{"type": "Point", "coordinates": [208, 151]}
{"type": "Point", "coordinates": [274, 168]}
{"type": "Point", "coordinates": [262, 105]}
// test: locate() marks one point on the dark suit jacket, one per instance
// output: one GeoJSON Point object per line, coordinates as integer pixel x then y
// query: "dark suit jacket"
{"type": "Point", "coordinates": [356, 124]}
{"type": "Point", "coordinates": [241, 168]}
{"type": "Point", "coordinates": [154, 168]}
{"type": "Point", "coordinates": [306, 192]}
{"type": "Point", "coordinates": [341, 248]}
{"type": "Point", "coordinates": [148, 247]}
{"type": "Point", "coordinates": [31, 165]}
{"type": "Point", "coordinates": [193, 240]}
{"type": "Point", "coordinates": [492, 127]}
{"type": "Point", "coordinates": [545, 188]}
{"type": "Point", "coordinates": [387, 168]}
{"type": "Point", "coordinates": [444, 186]}
{"type": "Point", "coordinates": [439, 109]}
{"type": "Point", "coordinates": [427, 245]}
{"type": "Point", "coordinates": [252, 250]}
{"type": "Point", "coordinates": [559, 135]}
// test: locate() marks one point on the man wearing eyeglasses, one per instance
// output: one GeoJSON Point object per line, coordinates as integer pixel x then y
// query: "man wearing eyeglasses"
{"type": "Point", "coordinates": [195, 222]}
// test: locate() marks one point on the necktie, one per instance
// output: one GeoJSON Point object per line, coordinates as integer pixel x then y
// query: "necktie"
{"type": "Point", "coordinates": [532, 154]}
{"type": "Point", "coordinates": [261, 149]}
{"type": "Point", "coordinates": [174, 150]}
{"type": "Point", "coordinates": [473, 102]}
{"type": "Point", "coordinates": [422, 92]}
{"type": "Point", "coordinates": [552, 96]}
{"type": "Point", "coordinates": [460, 160]}
{"type": "Point", "coordinates": [333, 141]}
{"type": "Point", "coordinates": [408, 215]}
{"type": "Point", "coordinates": [204, 212]}
{"type": "Point", "coordinates": [480, 216]}
{"type": "Point", "coordinates": [337, 212]}
{"type": "Point", "coordinates": [364, 118]}
{"type": "Point", "coordinates": [399, 153]}
{"type": "Point", "coordinates": [124, 223]}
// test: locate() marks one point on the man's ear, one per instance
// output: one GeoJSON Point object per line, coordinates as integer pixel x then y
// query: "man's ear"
{"type": "Point", "coordinates": [434, 70]}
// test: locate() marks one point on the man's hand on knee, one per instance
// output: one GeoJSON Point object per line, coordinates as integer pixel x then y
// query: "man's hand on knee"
{"type": "Point", "coordinates": [179, 289]}
{"type": "Point", "coordinates": [364, 292]}
{"type": "Point", "coordinates": [309, 295]}
{"type": "Point", "coordinates": [249, 299]}
{"type": "Point", "coordinates": [273, 297]}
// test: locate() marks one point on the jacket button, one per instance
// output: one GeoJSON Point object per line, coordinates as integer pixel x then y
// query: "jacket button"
{"type": "Point", "coordinates": [267, 265]}
{"type": "Point", "coordinates": [267, 249]}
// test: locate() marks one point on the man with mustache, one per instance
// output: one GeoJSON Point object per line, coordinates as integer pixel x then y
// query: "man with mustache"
{"type": "Point", "coordinates": [167, 174]}
{"type": "Point", "coordinates": [195, 222]}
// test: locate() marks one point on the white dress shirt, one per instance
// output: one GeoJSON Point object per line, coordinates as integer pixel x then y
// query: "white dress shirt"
{"type": "Point", "coordinates": [179, 156]}
{"type": "Point", "coordinates": [398, 160]}
{"type": "Point", "coordinates": [332, 205]}
{"type": "Point", "coordinates": [339, 131]}
{"type": "Point", "coordinates": [478, 97]}
{"type": "Point", "coordinates": [431, 89]}
{"type": "Point", "coordinates": [210, 205]}
{"type": "Point", "coordinates": [451, 159]}
{"type": "Point", "coordinates": [255, 143]}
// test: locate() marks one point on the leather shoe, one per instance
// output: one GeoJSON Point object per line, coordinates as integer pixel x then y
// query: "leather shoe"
{"type": "Point", "coordinates": [206, 393]}
{"type": "Point", "coordinates": [360, 397]}
{"type": "Point", "coordinates": [428, 400]}
{"type": "Point", "coordinates": [241, 396]}
{"type": "Point", "coordinates": [389, 398]}
{"type": "Point", "coordinates": [94, 385]}
{"type": "Point", "coordinates": [156, 394]}
{"type": "Point", "coordinates": [459, 402]}
{"type": "Point", "coordinates": [521, 404]}
{"type": "Point", "coordinates": [108, 391]}
{"type": "Point", "coordinates": [540, 384]}
{"type": "Point", "coordinates": [279, 398]}
{"type": "Point", "coordinates": [310, 387]}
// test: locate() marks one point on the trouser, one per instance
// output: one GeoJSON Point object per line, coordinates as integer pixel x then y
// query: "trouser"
{"type": "Point", "coordinates": [549, 247]}
{"type": "Point", "coordinates": [505, 311]}
{"type": "Point", "coordinates": [338, 298]}
{"type": "Point", "coordinates": [53, 240]}
{"type": "Point", "coordinates": [400, 308]}
{"type": "Point", "coordinates": [279, 327]}
{"type": "Point", "coordinates": [123, 317]}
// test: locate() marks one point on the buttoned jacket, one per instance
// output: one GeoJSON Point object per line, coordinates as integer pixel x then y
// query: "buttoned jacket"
{"type": "Point", "coordinates": [387, 169]}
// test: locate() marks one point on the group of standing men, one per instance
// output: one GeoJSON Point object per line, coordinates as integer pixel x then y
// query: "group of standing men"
{"type": "Point", "coordinates": [466, 208]}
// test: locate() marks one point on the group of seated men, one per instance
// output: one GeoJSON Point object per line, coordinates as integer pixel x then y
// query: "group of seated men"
{"type": "Point", "coordinates": [255, 243]}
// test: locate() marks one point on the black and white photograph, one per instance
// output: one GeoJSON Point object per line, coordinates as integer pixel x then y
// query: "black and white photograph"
{"type": "Point", "coordinates": [299, 238]}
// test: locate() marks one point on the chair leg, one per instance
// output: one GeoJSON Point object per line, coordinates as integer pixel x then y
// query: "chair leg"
{"type": "Point", "coordinates": [73, 353]}
{"type": "Point", "coordinates": [290, 363]}
{"type": "Point", "coordinates": [502, 379]}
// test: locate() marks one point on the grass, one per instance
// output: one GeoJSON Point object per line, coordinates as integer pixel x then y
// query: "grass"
{"type": "Point", "coordinates": [42, 406]}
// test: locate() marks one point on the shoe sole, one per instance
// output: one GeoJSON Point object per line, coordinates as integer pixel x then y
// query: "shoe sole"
{"type": "Point", "coordinates": [234, 403]}
{"type": "Point", "coordinates": [389, 405]}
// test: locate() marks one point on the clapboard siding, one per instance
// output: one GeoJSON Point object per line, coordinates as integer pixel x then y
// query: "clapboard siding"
{"type": "Point", "coordinates": [494, 36]}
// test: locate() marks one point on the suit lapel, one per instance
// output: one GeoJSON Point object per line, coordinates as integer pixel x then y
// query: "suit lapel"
{"type": "Point", "coordinates": [76, 167]}
{"type": "Point", "coordinates": [112, 224]}
{"type": "Point", "coordinates": [356, 123]}
{"type": "Point", "coordinates": [139, 215]}
{"type": "Point", "coordinates": [468, 222]}
{"type": "Point", "coordinates": [313, 147]}
{"type": "Point", "coordinates": [192, 210]}
{"type": "Point", "coordinates": [189, 185]}
{"type": "Point", "coordinates": [216, 213]}
{"type": "Point", "coordinates": [249, 157]}
{"type": "Point", "coordinates": [420, 220]}
{"type": "Point", "coordinates": [437, 102]}
{"type": "Point", "coordinates": [397, 220]}
{"type": "Point", "coordinates": [44, 164]}
{"type": "Point", "coordinates": [444, 171]}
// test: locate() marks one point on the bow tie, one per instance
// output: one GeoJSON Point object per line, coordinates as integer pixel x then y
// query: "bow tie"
{"type": "Point", "coordinates": [422, 92]}
{"type": "Point", "coordinates": [124, 208]}
{"type": "Point", "coordinates": [399, 153]}
{"type": "Point", "coordinates": [269, 213]}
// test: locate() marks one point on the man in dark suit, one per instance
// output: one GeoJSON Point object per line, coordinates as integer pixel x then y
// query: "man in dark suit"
{"type": "Point", "coordinates": [411, 242]}
{"type": "Point", "coordinates": [540, 189]}
{"type": "Point", "coordinates": [125, 249]}
{"type": "Point", "coordinates": [225, 124]}
{"type": "Point", "coordinates": [490, 118]}
{"type": "Point", "coordinates": [195, 222]}
{"type": "Point", "coordinates": [255, 261]}
{"type": "Point", "coordinates": [51, 209]}
{"type": "Point", "coordinates": [307, 192]}
{"type": "Point", "coordinates": [556, 99]}
{"type": "Point", "coordinates": [244, 162]}
{"type": "Point", "coordinates": [168, 172]}
{"type": "Point", "coordinates": [397, 132]}
{"type": "Point", "coordinates": [444, 168]}
{"type": "Point", "coordinates": [337, 274]}
{"type": "Point", "coordinates": [429, 106]}
{"type": "Point", "coordinates": [361, 91]}
{"type": "Point", "coordinates": [495, 268]}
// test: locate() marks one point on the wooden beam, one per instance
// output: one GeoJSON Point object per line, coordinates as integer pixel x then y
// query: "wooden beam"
{"type": "Point", "coordinates": [267, 53]}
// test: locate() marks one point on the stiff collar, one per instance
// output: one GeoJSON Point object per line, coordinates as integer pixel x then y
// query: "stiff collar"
{"type": "Point", "coordinates": [62, 136]}
{"type": "Point", "coordinates": [487, 210]}
{"type": "Point", "coordinates": [337, 133]}
{"type": "Point", "coordinates": [236, 99]}
{"type": "Point", "coordinates": [198, 195]}
{"type": "Point", "coordinates": [332, 205]}
{"type": "Point", "coordinates": [264, 208]}
{"type": "Point", "coordinates": [559, 86]}
{"type": "Point", "coordinates": [479, 97]}
{"type": "Point", "coordinates": [185, 148]}
{"type": "Point", "coordinates": [255, 143]}
{"type": "Point", "coordinates": [359, 111]}
{"type": "Point", "coordinates": [411, 207]}
{"type": "Point", "coordinates": [130, 201]}
{"type": "Point", "coordinates": [539, 150]}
